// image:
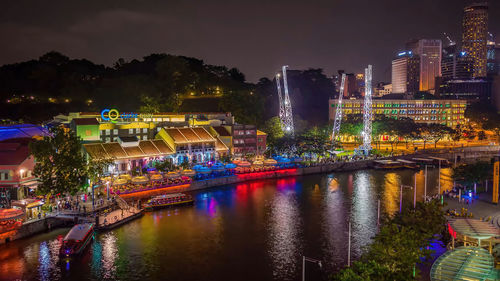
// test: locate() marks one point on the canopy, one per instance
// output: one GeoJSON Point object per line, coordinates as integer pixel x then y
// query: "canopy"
{"type": "Point", "coordinates": [204, 170]}
{"type": "Point", "coordinates": [156, 177]}
{"type": "Point", "coordinates": [188, 173]}
{"type": "Point", "coordinates": [463, 263]}
{"type": "Point", "coordinates": [125, 176]}
{"type": "Point", "coordinates": [258, 163]}
{"type": "Point", "coordinates": [218, 167]}
{"type": "Point", "coordinates": [475, 228]}
{"type": "Point", "coordinates": [297, 159]}
{"type": "Point", "coordinates": [10, 214]}
{"type": "Point", "coordinates": [231, 166]}
{"type": "Point", "coordinates": [171, 175]}
{"type": "Point", "coordinates": [244, 164]}
{"type": "Point", "coordinates": [283, 160]}
{"type": "Point", "coordinates": [120, 182]}
{"type": "Point", "coordinates": [197, 167]}
{"type": "Point", "coordinates": [140, 179]}
{"type": "Point", "coordinates": [270, 162]}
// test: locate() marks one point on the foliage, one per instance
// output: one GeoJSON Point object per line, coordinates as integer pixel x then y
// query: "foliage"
{"type": "Point", "coordinates": [402, 242]}
{"type": "Point", "coordinates": [164, 166]}
{"type": "Point", "coordinates": [273, 130]}
{"type": "Point", "coordinates": [472, 173]}
{"type": "Point", "coordinates": [60, 164]}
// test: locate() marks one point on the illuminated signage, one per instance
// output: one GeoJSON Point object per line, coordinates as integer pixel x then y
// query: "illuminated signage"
{"type": "Point", "coordinates": [113, 115]}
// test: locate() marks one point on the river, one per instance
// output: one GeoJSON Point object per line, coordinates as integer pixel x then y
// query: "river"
{"type": "Point", "coordinates": [251, 231]}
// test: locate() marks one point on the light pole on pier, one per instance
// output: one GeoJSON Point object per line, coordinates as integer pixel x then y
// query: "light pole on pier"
{"type": "Point", "coordinates": [304, 259]}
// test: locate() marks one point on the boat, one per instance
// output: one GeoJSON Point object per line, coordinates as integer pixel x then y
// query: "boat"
{"type": "Point", "coordinates": [387, 164]}
{"type": "Point", "coordinates": [77, 239]}
{"type": "Point", "coordinates": [168, 200]}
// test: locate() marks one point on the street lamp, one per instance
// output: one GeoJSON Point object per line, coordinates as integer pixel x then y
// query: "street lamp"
{"type": "Point", "coordinates": [304, 259]}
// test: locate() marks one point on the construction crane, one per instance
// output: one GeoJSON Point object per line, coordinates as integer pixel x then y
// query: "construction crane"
{"type": "Point", "coordinates": [288, 106]}
{"type": "Point", "coordinates": [338, 111]}
{"type": "Point", "coordinates": [449, 39]}
{"type": "Point", "coordinates": [367, 112]}
{"type": "Point", "coordinates": [280, 97]}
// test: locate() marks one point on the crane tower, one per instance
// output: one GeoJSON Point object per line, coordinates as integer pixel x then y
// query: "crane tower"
{"type": "Point", "coordinates": [288, 124]}
{"type": "Point", "coordinates": [367, 112]}
{"type": "Point", "coordinates": [338, 112]}
{"type": "Point", "coordinates": [280, 97]}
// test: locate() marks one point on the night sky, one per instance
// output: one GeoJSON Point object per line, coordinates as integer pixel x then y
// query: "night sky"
{"type": "Point", "coordinates": [255, 36]}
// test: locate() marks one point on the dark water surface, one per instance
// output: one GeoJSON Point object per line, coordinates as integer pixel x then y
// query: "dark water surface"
{"type": "Point", "coordinates": [253, 231]}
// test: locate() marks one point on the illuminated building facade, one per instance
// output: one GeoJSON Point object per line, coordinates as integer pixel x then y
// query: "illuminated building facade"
{"type": "Point", "coordinates": [493, 58]}
{"type": "Point", "coordinates": [429, 51]}
{"type": "Point", "coordinates": [457, 66]}
{"type": "Point", "coordinates": [474, 36]}
{"type": "Point", "coordinates": [446, 112]}
{"type": "Point", "coordinates": [405, 73]}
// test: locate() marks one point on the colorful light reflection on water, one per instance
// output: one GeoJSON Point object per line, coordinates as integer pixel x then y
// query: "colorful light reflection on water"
{"type": "Point", "coordinates": [251, 231]}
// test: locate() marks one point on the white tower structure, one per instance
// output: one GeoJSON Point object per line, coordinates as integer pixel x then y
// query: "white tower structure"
{"type": "Point", "coordinates": [367, 112]}
{"type": "Point", "coordinates": [338, 111]}
{"type": "Point", "coordinates": [280, 97]}
{"type": "Point", "coordinates": [288, 106]}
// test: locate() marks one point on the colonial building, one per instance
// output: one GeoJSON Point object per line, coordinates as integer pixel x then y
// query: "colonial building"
{"type": "Point", "coordinates": [447, 112]}
{"type": "Point", "coordinates": [16, 170]}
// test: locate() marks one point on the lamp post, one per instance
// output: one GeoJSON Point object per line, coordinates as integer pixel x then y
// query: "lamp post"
{"type": "Point", "coordinates": [304, 259]}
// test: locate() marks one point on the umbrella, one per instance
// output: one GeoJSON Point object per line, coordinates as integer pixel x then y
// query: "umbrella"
{"type": "Point", "coordinates": [258, 163]}
{"type": "Point", "coordinates": [244, 164]}
{"type": "Point", "coordinates": [270, 162]}
{"type": "Point", "coordinates": [156, 177]}
{"type": "Point", "coordinates": [197, 167]}
{"type": "Point", "coordinates": [120, 182]}
{"type": "Point", "coordinates": [172, 175]}
{"type": "Point", "coordinates": [188, 173]}
{"type": "Point", "coordinates": [231, 166]}
{"type": "Point", "coordinates": [204, 170]}
{"type": "Point", "coordinates": [125, 177]}
{"type": "Point", "coordinates": [297, 159]}
{"type": "Point", "coordinates": [140, 179]}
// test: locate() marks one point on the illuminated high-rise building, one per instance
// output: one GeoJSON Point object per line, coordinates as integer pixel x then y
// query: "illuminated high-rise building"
{"type": "Point", "coordinates": [492, 57]}
{"type": "Point", "coordinates": [429, 51]}
{"type": "Point", "coordinates": [405, 73]}
{"type": "Point", "coordinates": [474, 36]}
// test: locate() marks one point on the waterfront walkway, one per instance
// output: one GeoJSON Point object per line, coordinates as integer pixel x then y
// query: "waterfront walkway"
{"type": "Point", "coordinates": [481, 208]}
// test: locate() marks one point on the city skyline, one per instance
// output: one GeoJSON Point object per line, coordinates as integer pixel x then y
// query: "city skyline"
{"type": "Point", "coordinates": [255, 37]}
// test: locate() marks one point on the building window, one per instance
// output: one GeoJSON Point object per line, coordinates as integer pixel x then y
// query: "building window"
{"type": "Point", "coordinates": [108, 132]}
{"type": "Point", "coordinates": [144, 131]}
{"type": "Point", "coordinates": [130, 131]}
{"type": "Point", "coordinates": [115, 132]}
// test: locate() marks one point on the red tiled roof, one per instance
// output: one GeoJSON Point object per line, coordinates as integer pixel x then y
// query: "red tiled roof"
{"type": "Point", "coordinates": [13, 153]}
{"type": "Point", "coordinates": [203, 134]}
{"type": "Point", "coordinates": [176, 135]}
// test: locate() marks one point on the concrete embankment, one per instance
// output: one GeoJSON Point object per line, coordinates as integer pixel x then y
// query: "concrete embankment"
{"type": "Point", "coordinates": [38, 226]}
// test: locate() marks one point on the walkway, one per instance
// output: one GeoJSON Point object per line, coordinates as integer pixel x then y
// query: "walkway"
{"type": "Point", "coordinates": [481, 208]}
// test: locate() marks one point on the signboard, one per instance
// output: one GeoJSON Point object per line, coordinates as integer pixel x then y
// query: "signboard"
{"type": "Point", "coordinates": [112, 115]}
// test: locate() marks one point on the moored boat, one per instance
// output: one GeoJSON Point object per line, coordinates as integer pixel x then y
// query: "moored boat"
{"type": "Point", "coordinates": [168, 200]}
{"type": "Point", "coordinates": [77, 239]}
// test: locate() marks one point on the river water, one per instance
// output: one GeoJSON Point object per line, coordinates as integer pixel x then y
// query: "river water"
{"type": "Point", "coordinates": [252, 231]}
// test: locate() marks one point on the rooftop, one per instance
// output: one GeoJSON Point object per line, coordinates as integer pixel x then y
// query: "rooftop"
{"type": "Point", "coordinates": [21, 131]}
{"type": "Point", "coordinates": [85, 121]}
{"type": "Point", "coordinates": [113, 150]}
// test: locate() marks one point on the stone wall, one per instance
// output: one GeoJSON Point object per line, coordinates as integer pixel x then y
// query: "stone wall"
{"type": "Point", "coordinates": [38, 226]}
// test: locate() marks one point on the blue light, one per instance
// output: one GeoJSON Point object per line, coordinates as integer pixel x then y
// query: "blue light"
{"type": "Point", "coordinates": [463, 53]}
{"type": "Point", "coordinates": [402, 54]}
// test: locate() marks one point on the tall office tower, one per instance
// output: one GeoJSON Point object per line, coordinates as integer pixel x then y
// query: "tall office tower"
{"type": "Point", "coordinates": [405, 73]}
{"type": "Point", "coordinates": [474, 36]}
{"type": "Point", "coordinates": [456, 65]}
{"type": "Point", "coordinates": [360, 84]}
{"type": "Point", "coordinates": [429, 51]}
{"type": "Point", "coordinates": [492, 57]}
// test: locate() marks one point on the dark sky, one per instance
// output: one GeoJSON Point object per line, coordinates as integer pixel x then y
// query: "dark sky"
{"type": "Point", "coordinates": [254, 35]}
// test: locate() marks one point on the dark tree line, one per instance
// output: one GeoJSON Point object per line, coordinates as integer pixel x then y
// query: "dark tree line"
{"type": "Point", "coordinates": [155, 83]}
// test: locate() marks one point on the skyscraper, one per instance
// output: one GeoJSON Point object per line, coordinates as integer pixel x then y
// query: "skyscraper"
{"type": "Point", "coordinates": [456, 65]}
{"type": "Point", "coordinates": [429, 51]}
{"type": "Point", "coordinates": [474, 35]}
{"type": "Point", "coordinates": [405, 73]}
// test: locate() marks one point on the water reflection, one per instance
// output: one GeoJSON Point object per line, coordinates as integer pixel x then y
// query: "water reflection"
{"type": "Point", "coordinates": [363, 213]}
{"type": "Point", "coordinates": [256, 231]}
{"type": "Point", "coordinates": [284, 227]}
{"type": "Point", "coordinates": [391, 193]}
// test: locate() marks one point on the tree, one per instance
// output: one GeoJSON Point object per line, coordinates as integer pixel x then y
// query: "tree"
{"type": "Point", "coordinates": [60, 164]}
{"type": "Point", "coordinates": [471, 174]}
{"type": "Point", "coordinates": [438, 132]}
{"type": "Point", "coordinates": [481, 135]}
{"type": "Point", "coordinates": [273, 130]}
